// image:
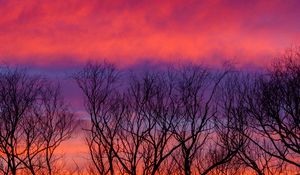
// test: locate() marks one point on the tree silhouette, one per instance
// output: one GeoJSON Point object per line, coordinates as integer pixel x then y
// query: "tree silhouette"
{"type": "Point", "coordinates": [33, 122]}
{"type": "Point", "coordinates": [275, 109]}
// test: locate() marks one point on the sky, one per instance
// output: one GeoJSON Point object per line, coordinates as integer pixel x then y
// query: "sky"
{"type": "Point", "coordinates": [58, 36]}
{"type": "Point", "coordinates": [53, 33]}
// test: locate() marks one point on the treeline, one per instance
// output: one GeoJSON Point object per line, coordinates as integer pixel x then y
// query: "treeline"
{"type": "Point", "coordinates": [187, 119]}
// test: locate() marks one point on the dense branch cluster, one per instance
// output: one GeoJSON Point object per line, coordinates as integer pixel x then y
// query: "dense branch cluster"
{"type": "Point", "coordinates": [186, 120]}
{"type": "Point", "coordinates": [193, 120]}
{"type": "Point", "coordinates": [34, 121]}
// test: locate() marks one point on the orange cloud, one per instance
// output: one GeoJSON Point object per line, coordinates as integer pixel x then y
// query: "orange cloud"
{"type": "Point", "coordinates": [126, 32]}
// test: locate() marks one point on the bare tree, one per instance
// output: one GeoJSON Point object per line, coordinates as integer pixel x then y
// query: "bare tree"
{"type": "Point", "coordinates": [173, 117]}
{"type": "Point", "coordinates": [34, 121]}
{"type": "Point", "coordinates": [275, 109]}
{"type": "Point", "coordinates": [196, 112]}
{"type": "Point", "coordinates": [18, 95]}
{"type": "Point", "coordinates": [205, 143]}
{"type": "Point", "coordinates": [127, 130]}
{"type": "Point", "coordinates": [156, 107]}
{"type": "Point", "coordinates": [98, 82]}
{"type": "Point", "coordinates": [57, 124]}
{"type": "Point", "coordinates": [233, 103]}
{"type": "Point", "coordinates": [138, 129]}
{"type": "Point", "coordinates": [240, 99]}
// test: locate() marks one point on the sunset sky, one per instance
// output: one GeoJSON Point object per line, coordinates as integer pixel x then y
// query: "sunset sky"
{"type": "Point", "coordinates": [56, 37]}
{"type": "Point", "coordinates": [50, 33]}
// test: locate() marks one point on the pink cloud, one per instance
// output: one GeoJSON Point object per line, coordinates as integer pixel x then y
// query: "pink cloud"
{"type": "Point", "coordinates": [128, 31]}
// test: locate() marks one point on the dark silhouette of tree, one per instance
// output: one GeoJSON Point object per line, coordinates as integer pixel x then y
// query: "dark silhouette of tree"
{"type": "Point", "coordinates": [98, 83]}
{"type": "Point", "coordinates": [57, 124]}
{"type": "Point", "coordinates": [126, 128]}
{"type": "Point", "coordinates": [156, 119]}
{"type": "Point", "coordinates": [236, 93]}
{"type": "Point", "coordinates": [275, 109]}
{"type": "Point", "coordinates": [155, 105]}
{"type": "Point", "coordinates": [192, 120]}
{"type": "Point", "coordinates": [198, 129]}
{"type": "Point", "coordinates": [33, 122]}
{"type": "Point", "coordinates": [18, 93]}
